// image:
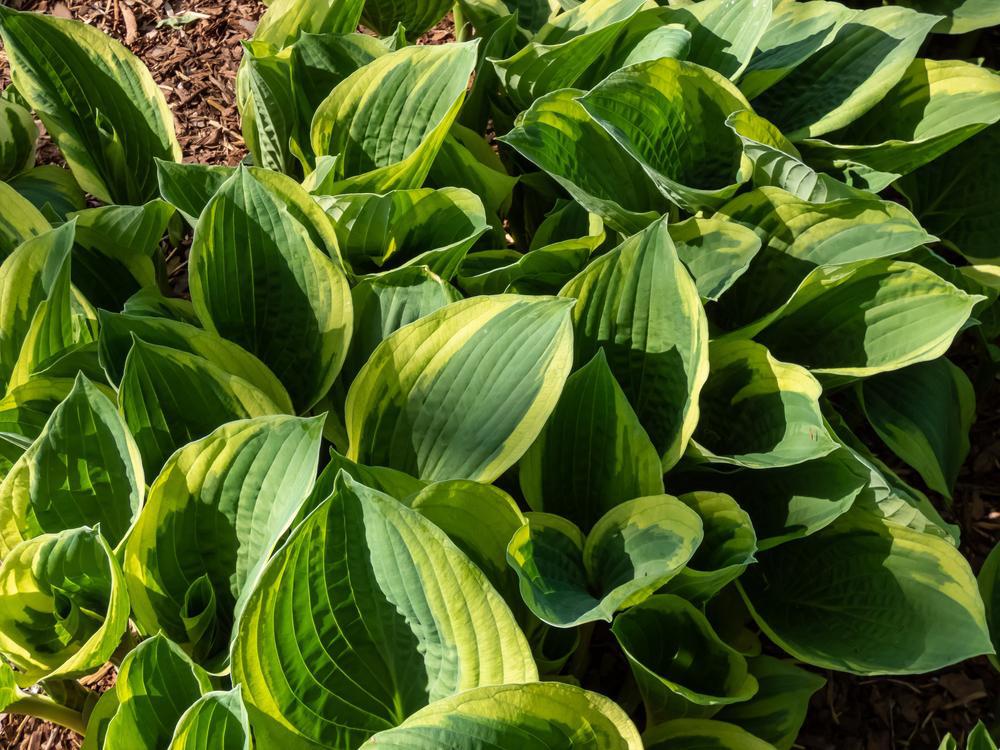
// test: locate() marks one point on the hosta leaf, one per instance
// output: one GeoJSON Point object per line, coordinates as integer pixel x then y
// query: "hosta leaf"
{"type": "Point", "coordinates": [321, 61]}
{"type": "Point", "coordinates": [840, 81]}
{"type": "Point", "coordinates": [241, 487]}
{"type": "Point", "coordinates": [639, 304]}
{"type": "Point", "coordinates": [150, 303]}
{"type": "Point", "coordinates": [433, 228]}
{"type": "Point", "coordinates": [727, 549]}
{"type": "Point", "coordinates": [592, 454]}
{"type": "Point", "coordinates": [933, 108]}
{"type": "Point", "coordinates": [715, 251]}
{"type": "Point", "coordinates": [796, 31]}
{"type": "Point", "coordinates": [681, 666]}
{"type": "Point", "coordinates": [217, 720]}
{"type": "Point", "coordinates": [724, 33]}
{"type": "Point", "coordinates": [789, 502]}
{"type": "Point", "coordinates": [923, 413]}
{"type": "Point", "coordinates": [271, 127]}
{"type": "Point", "coordinates": [480, 519]}
{"type": "Point", "coordinates": [189, 187]}
{"type": "Point", "coordinates": [777, 711]}
{"type": "Point", "coordinates": [961, 16]}
{"type": "Point", "coordinates": [293, 307]}
{"type": "Point", "coordinates": [51, 189]}
{"type": "Point", "coordinates": [463, 392]}
{"type": "Point", "coordinates": [799, 235]}
{"type": "Point", "coordinates": [157, 683]}
{"type": "Point", "coordinates": [535, 716]}
{"type": "Point", "coordinates": [386, 122]}
{"type": "Point", "coordinates": [989, 587]}
{"type": "Point", "coordinates": [634, 549]}
{"type": "Point", "coordinates": [26, 408]}
{"type": "Point", "coordinates": [27, 277]}
{"type": "Point", "coordinates": [99, 103]}
{"type": "Point", "coordinates": [116, 250]}
{"type": "Point", "coordinates": [864, 318]}
{"type": "Point", "coordinates": [115, 342]}
{"type": "Point", "coordinates": [18, 135]}
{"type": "Point", "coordinates": [562, 50]}
{"type": "Point", "coordinates": [20, 220]}
{"type": "Point", "coordinates": [285, 20]}
{"type": "Point", "coordinates": [868, 597]}
{"type": "Point", "coordinates": [670, 116]}
{"type": "Point", "coordinates": [169, 398]}
{"type": "Point", "coordinates": [695, 734]}
{"type": "Point", "coordinates": [390, 482]}
{"type": "Point", "coordinates": [955, 196]}
{"type": "Point", "coordinates": [63, 605]}
{"type": "Point", "coordinates": [560, 137]}
{"type": "Point", "coordinates": [83, 470]}
{"type": "Point", "coordinates": [758, 412]}
{"type": "Point", "coordinates": [402, 618]}
{"type": "Point", "coordinates": [416, 16]}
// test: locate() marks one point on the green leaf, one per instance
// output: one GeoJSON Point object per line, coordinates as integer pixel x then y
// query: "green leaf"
{"type": "Point", "coordinates": [157, 683]}
{"type": "Point", "coordinates": [27, 277]}
{"type": "Point", "coordinates": [63, 605]}
{"type": "Point", "coordinates": [292, 305]}
{"type": "Point", "coordinates": [868, 54]}
{"type": "Point", "coordinates": [26, 408]}
{"type": "Point", "coordinates": [83, 470]}
{"type": "Point", "coordinates": [757, 412]}
{"type": "Point", "coordinates": [715, 251]}
{"type": "Point", "coordinates": [51, 189]}
{"type": "Point", "coordinates": [800, 235]}
{"type": "Point", "coordinates": [321, 61]}
{"type": "Point", "coordinates": [724, 33]}
{"type": "Point", "coordinates": [864, 318]}
{"type": "Point", "coordinates": [563, 49]}
{"type": "Point", "coordinates": [218, 509]}
{"type": "Point", "coordinates": [789, 502]}
{"type": "Point", "coordinates": [403, 618]}
{"type": "Point", "coordinates": [117, 250]}
{"type": "Point", "coordinates": [377, 124]}
{"type": "Point", "coordinates": [169, 398]}
{"type": "Point", "coordinates": [695, 675]}
{"type": "Point", "coordinates": [955, 196]}
{"type": "Point", "coordinates": [961, 16]}
{"type": "Point", "coordinates": [989, 588]}
{"type": "Point", "coordinates": [271, 127]}
{"type": "Point", "coordinates": [670, 116]}
{"type": "Point", "coordinates": [97, 101]}
{"type": "Point", "coordinates": [535, 716]}
{"type": "Point", "coordinates": [592, 454]}
{"type": "Point", "coordinates": [560, 137]}
{"type": "Point", "coordinates": [695, 734]}
{"type": "Point", "coordinates": [189, 187]}
{"type": "Point", "coordinates": [117, 331]}
{"type": "Point", "coordinates": [979, 738]}
{"type": "Point", "coordinates": [149, 303]}
{"type": "Point", "coordinates": [923, 413]}
{"type": "Point", "coordinates": [425, 227]}
{"type": "Point", "coordinates": [727, 549]}
{"type": "Point", "coordinates": [18, 135]}
{"type": "Point", "coordinates": [933, 108]}
{"type": "Point", "coordinates": [639, 304]}
{"type": "Point", "coordinates": [463, 392]}
{"type": "Point", "coordinates": [286, 20]}
{"type": "Point", "coordinates": [918, 609]}
{"type": "Point", "coordinates": [20, 220]}
{"type": "Point", "coordinates": [778, 710]}
{"type": "Point", "coordinates": [634, 549]}
{"type": "Point", "coordinates": [217, 720]}
{"type": "Point", "coordinates": [416, 16]}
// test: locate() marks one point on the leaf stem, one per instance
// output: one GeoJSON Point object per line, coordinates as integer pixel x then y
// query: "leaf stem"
{"type": "Point", "coordinates": [461, 30]}
{"type": "Point", "coordinates": [42, 707]}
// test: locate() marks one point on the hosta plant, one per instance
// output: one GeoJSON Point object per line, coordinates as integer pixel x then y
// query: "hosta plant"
{"type": "Point", "coordinates": [610, 430]}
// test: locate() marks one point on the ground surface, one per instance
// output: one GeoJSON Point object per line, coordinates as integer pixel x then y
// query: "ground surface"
{"type": "Point", "coordinates": [195, 64]}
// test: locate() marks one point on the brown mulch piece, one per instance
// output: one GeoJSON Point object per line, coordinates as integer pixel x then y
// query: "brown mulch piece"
{"type": "Point", "coordinates": [195, 66]}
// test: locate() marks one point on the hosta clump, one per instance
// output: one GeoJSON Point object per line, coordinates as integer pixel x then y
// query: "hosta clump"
{"type": "Point", "coordinates": [529, 442]}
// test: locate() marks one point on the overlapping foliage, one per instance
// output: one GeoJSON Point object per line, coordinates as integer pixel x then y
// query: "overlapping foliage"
{"type": "Point", "coordinates": [466, 447]}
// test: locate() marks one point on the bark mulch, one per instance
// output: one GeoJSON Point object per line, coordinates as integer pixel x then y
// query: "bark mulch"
{"type": "Point", "coordinates": [195, 59]}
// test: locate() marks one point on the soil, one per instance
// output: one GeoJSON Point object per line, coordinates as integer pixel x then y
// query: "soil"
{"type": "Point", "coordinates": [195, 64]}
